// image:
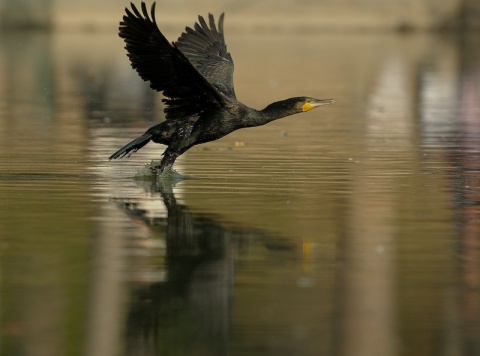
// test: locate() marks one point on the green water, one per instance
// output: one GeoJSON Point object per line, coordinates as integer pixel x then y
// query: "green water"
{"type": "Point", "coordinates": [349, 230]}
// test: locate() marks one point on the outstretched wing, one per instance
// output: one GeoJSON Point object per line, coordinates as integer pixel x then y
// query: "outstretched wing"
{"type": "Point", "coordinates": [205, 47]}
{"type": "Point", "coordinates": [166, 68]}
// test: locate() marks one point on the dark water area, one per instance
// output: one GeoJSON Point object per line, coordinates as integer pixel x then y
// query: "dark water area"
{"type": "Point", "coordinates": [349, 230]}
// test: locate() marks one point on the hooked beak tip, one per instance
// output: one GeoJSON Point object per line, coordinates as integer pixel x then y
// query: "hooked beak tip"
{"type": "Point", "coordinates": [323, 102]}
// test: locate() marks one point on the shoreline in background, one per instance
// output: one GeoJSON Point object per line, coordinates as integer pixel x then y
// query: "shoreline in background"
{"type": "Point", "coordinates": [261, 16]}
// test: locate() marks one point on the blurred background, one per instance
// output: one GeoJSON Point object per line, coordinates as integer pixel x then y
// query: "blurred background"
{"type": "Point", "coordinates": [353, 229]}
{"type": "Point", "coordinates": [339, 15]}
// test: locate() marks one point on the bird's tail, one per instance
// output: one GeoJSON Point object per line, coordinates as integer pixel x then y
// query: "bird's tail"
{"type": "Point", "coordinates": [132, 147]}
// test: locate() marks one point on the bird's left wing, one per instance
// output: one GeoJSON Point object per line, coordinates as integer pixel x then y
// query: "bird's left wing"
{"type": "Point", "coordinates": [205, 47]}
{"type": "Point", "coordinates": [163, 65]}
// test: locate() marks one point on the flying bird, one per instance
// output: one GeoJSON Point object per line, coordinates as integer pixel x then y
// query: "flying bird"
{"type": "Point", "coordinates": [195, 75]}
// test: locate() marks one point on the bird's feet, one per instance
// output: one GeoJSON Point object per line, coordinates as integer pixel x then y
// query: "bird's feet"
{"type": "Point", "coordinates": [161, 169]}
{"type": "Point", "coordinates": [155, 167]}
{"type": "Point", "coordinates": [154, 170]}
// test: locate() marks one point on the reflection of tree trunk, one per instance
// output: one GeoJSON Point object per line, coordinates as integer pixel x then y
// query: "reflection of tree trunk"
{"type": "Point", "coordinates": [368, 285]}
{"type": "Point", "coordinates": [469, 166]}
{"type": "Point", "coordinates": [107, 296]}
{"type": "Point", "coordinates": [35, 288]}
{"type": "Point", "coordinates": [471, 14]}
{"type": "Point", "coordinates": [26, 14]}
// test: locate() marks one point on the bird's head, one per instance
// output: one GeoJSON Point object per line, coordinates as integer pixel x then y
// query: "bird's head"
{"type": "Point", "coordinates": [292, 106]}
{"type": "Point", "coordinates": [306, 104]}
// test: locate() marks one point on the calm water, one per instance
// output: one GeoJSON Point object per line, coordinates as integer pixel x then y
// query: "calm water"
{"type": "Point", "coordinates": [350, 230]}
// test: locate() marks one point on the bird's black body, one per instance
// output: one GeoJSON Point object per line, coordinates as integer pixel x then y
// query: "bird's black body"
{"type": "Point", "coordinates": [195, 74]}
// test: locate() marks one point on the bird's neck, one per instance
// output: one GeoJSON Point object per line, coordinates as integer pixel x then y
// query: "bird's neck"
{"type": "Point", "coordinates": [273, 112]}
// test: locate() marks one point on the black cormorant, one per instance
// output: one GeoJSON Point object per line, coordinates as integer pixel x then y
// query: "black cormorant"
{"type": "Point", "coordinates": [195, 74]}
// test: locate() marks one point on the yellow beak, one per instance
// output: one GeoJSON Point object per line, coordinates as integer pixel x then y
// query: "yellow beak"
{"type": "Point", "coordinates": [312, 104]}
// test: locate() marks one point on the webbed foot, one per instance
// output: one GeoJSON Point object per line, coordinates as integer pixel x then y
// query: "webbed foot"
{"type": "Point", "coordinates": [154, 170]}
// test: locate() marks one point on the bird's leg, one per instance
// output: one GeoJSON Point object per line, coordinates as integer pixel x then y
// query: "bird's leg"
{"type": "Point", "coordinates": [178, 145]}
{"type": "Point", "coordinates": [166, 165]}
{"type": "Point", "coordinates": [166, 168]}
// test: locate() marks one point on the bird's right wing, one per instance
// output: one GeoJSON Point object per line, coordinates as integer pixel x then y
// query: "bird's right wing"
{"type": "Point", "coordinates": [163, 65]}
{"type": "Point", "coordinates": [205, 47]}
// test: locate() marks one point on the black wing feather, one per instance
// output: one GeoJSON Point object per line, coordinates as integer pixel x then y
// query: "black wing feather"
{"type": "Point", "coordinates": [205, 47]}
{"type": "Point", "coordinates": [162, 64]}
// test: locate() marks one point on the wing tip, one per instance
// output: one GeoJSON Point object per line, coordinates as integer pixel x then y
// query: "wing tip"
{"type": "Point", "coordinates": [220, 23]}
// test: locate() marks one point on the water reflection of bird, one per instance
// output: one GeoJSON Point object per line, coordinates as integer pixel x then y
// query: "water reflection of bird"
{"type": "Point", "coordinates": [195, 74]}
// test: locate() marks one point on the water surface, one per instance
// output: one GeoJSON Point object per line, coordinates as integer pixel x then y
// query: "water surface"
{"type": "Point", "coordinates": [348, 230]}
